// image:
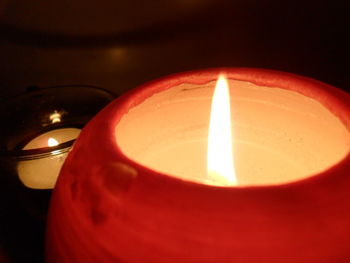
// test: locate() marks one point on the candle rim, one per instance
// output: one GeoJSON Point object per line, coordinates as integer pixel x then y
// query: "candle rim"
{"type": "Point", "coordinates": [333, 99]}
{"type": "Point", "coordinates": [42, 152]}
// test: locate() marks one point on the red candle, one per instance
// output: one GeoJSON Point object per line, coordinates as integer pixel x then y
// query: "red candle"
{"type": "Point", "coordinates": [135, 186]}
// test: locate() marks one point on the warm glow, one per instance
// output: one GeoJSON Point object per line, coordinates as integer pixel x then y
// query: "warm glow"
{"type": "Point", "coordinates": [55, 117]}
{"type": "Point", "coordinates": [52, 142]}
{"type": "Point", "coordinates": [220, 166]}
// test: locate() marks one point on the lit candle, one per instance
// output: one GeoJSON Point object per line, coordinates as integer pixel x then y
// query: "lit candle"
{"type": "Point", "coordinates": [143, 192]}
{"type": "Point", "coordinates": [42, 172]}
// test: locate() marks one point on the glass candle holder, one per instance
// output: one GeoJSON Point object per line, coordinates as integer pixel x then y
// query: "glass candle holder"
{"type": "Point", "coordinates": [38, 130]}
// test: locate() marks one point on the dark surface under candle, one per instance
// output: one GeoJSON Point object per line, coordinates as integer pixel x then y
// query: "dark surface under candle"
{"type": "Point", "coordinates": [23, 218]}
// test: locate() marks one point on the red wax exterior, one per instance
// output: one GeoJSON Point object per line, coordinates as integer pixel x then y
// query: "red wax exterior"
{"type": "Point", "coordinates": [107, 208]}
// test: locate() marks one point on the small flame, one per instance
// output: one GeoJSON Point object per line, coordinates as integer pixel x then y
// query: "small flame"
{"type": "Point", "coordinates": [52, 142]}
{"type": "Point", "coordinates": [220, 165]}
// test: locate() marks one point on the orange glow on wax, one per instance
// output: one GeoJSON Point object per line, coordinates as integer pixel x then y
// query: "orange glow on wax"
{"type": "Point", "coordinates": [220, 165]}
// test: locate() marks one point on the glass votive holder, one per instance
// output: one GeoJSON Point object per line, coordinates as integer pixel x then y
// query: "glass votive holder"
{"type": "Point", "coordinates": [38, 129]}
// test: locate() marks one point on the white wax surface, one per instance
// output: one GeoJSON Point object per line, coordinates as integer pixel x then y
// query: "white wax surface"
{"type": "Point", "coordinates": [42, 173]}
{"type": "Point", "coordinates": [280, 136]}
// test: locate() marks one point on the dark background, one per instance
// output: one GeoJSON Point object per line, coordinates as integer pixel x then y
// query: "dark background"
{"type": "Point", "coordinates": [118, 45]}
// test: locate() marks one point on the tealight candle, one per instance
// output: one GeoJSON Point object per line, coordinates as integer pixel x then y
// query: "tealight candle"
{"type": "Point", "coordinates": [144, 191]}
{"type": "Point", "coordinates": [42, 172]}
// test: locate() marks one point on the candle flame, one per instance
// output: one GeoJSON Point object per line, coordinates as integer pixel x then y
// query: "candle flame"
{"type": "Point", "coordinates": [52, 142]}
{"type": "Point", "coordinates": [220, 165]}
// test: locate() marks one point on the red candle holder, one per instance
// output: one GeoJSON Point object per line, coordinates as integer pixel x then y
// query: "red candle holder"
{"type": "Point", "coordinates": [114, 204]}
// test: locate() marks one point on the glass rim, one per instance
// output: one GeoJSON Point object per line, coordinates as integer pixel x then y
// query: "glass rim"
{"type": "Point", "coordinates": [39, 153]}
{"type": "Point", "coordinates": [38, 90]}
